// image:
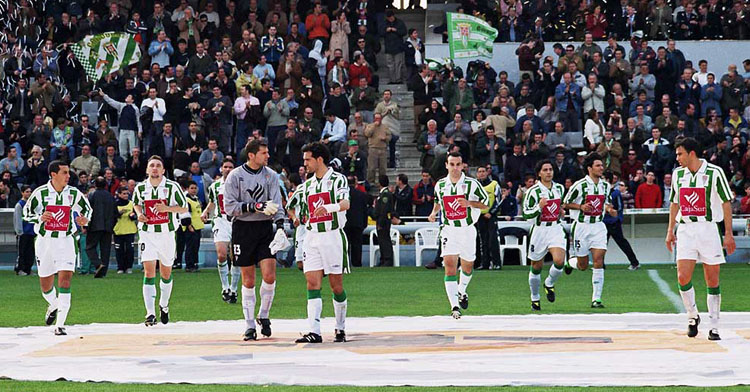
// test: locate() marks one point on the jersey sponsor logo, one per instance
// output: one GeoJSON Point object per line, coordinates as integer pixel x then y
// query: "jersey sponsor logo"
{"type": "Point", "coordinates": [317, 200]}
{"type": "Point", "coordinates": [452, 207]}
{"type": "Point", "coordinates": [60, 218]}
{"type": "Point", "coordinates": [693, 201]}
{"type": "Point", "coordinates": [551, 211]}
{"type": "Point", "coordinates": [257, 192]}
{"type": "Point", "coordinates": [597, 204]}
{"type": "Point", "coordinates": [153, 216]}
{"type": "Point", "coordinates": [221, 204]}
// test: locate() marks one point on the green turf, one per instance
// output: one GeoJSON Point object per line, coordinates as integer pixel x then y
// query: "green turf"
{"type": "Point", "coordinates": [25, 386]}
{"type": "Point", "coordinates": [372, 292]}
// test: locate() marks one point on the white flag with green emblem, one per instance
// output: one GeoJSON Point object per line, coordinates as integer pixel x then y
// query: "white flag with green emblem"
{"type": "Point", "coordinates": [105, 53]}
{"type": "Point", "coordinates": [469, 36]}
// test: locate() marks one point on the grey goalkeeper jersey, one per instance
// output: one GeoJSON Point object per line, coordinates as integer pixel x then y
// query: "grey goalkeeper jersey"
{"type": "Point", "coordinates": [243, 185]}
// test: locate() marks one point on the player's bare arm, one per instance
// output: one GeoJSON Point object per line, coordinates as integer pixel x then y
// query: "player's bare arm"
{"type": "Point", "coordinates": [433, 214]}
{"type": "Point", "coordinates": [729, 244]}
{"type": "Point", "coordinates": [343, 205]}
{"type": "Point", "coordinates": [671, 238]}
{"type": "Point", "coordinates": [473, 204]}
{"type": "Point", "coordinates": [139, 214]}
{"type": "Point", "coordinates": [161, 207]}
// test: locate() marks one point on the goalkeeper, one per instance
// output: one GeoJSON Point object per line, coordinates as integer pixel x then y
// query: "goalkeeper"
{"type": "Point", "coordinates": [253, 198]}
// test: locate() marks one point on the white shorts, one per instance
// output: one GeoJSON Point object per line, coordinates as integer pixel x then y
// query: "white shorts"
{"type": "Point", "coordinates": [157, 246]}
{"type": "Point", "coordinates": [55, 254]}
{"type": "Point", "coordinates": [700, 241]}
{"type": "Point", "coordinates": [222, 230]}
{"type": "Point", "coordinates": [587, 236]}
{"type": "Point", "coordinates": [299, 240]}
{"type": "Point", "coordinates": [459, 241]}
{"type": "Point", "coordinates": [327, 251]}
{"type": "Point", "coordinates": [543, 238]}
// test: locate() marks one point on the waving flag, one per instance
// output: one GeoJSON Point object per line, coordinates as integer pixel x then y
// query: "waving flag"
{"type": "Point", "coordinates": [469, 36]}
{"type": "Point", "coordinates": [105, 53]}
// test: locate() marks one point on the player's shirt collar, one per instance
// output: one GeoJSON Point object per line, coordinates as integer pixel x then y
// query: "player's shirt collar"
{"type": "Point", "coordinates": [460, 179]}
{"type": "Point", "coordinates": [326, 176]}
{"type": "Point", "coordinates": [161, 184]}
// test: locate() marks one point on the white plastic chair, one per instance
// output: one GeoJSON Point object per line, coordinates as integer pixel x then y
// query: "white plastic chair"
{"type": "Point", "coordinates": [395, 240]}
{"type": "Point", "coordinates": [511, 242]}
{"type": "Point", "coordinates": [426, 238]}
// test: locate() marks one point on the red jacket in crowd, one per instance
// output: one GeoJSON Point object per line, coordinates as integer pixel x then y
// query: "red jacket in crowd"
{"type": "Point", "coordinates": [648, 196]}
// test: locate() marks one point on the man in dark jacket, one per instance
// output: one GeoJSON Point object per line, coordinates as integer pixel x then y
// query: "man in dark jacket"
{"type": "Point", "coordinates": [384, 214]}
{"type": "Point", "coordinates": [424, 195]}
{"type": "Point", "coordinates": [100, 227]}
{"type": "Point", "coordinates": [394, 31]}
{"type": "Point", "coordinates": [403, 196]}
{"type": "Point", "coordinates": [356, 221]}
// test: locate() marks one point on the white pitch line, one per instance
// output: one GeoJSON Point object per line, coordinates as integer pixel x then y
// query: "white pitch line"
{"type": "Point", "coordinates": [664, 288]}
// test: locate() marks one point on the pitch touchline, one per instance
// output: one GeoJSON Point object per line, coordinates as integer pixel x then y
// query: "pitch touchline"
{"type": "Point", "coordinates": [664, 288]}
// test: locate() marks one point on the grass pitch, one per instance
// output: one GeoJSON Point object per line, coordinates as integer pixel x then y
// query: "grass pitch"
{"type": "Point", "coordinates": [374, 292]}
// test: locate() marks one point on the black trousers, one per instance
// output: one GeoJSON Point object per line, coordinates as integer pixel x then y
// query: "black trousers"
{"type": "Point", "coordinates": [386, 247]}
{"type": "Point", "coordinates": [180, 248]}
{"type": "Point", "coordinates": [488, 245]}
{"type": "Point", "coordinates": [354, 236]}
{"type": "Point", "coordinates": [26, 253]}
{"type": "Point", "coordinates": [614, 230]}
{"type": "Point", "coordinates": [103, 241]}
{"type": "Point", "coordinates": [192, 246]}
{"type": "Point", "coordinates": [124, 252]}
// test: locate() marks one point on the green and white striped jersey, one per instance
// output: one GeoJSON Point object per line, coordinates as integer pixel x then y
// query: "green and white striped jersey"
{"type": "Point", "coordinates": [330, 189]}
{"type": "Point", "coordinates": [147, 196]}
{"type": "Point", "coordinates": [700, 194]}
{"type": "Point", "coordinates": [215, 193]}
{"type": "Point", "coordinates": [295, 203]}
{"type": "Point", "coordinates": [447, 195]}
{"type": "Point", "coordinates": [585, 191]}
{"type": "Point", "coordinates": [64, 207]}
{"type": "Point", "coordinates": [553, 212]}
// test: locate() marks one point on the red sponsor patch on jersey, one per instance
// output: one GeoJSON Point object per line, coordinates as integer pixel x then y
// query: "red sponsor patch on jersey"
{"type": "Point", "coordinates": [319, 200]}
{"type": "Point", "coordinates": [453, 209]}
{"type": "Point", "coordinates": [597, 204]}
{"type": "Point", "coordinates": [551, 210]}
{"type": "Point", "coordinates": [155, 217]}
{"type": "Point", "coordinates": [221, 204]}
{"type": "Point", "coordinates": [693, 201]}
{"type": "Point", "coordinates": [60, 218]}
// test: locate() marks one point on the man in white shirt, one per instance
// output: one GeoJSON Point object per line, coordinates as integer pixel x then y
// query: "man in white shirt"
{"type": "Point", "coordinates": [334, 132]}
{"type": "Point", "coordinates": [158, 109]}
{"type": "Point", "coordinates": [244, 107]}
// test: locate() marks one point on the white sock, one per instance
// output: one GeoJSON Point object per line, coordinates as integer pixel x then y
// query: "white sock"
{"type": "Point", "coordinates": [62, 309]}
{"type": "Point", "coordinates": [224, 275]}
{"type": "Point", "coordinates": [688, 300]}
{"type": "Point", "coordinates": [451, 288]}
{"type": "Point", "coordinates": [314, 308]}
{"type": "Point", "coordinates": [51, 297]}
{"type": "Point", "coordinates": [149, 296]}
{"type": "Point", "coordinates": [597, 281]}
{"type": "Point", "coordinates": [248, 305]}
{"type": "Point", "coordinates": [714, 307]}
{"type": "Point", "coordinates": [554, 273]}
{"type": "Point", "coordinates": [236, 277]}
{"type": "Point", "coordinates": [339, 309]}
{"type": "Point", "coordinates": [267, 292]}
{"type": "Point", "coordinates": [534, 281]}
{"type": "Point", "coordinates": [166, 292]}
{"type": "Point", "coordinates": [464, 283]}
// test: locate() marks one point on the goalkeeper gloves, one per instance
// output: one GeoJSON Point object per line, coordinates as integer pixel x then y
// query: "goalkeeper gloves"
{"type": "Point", "coordinates": [266, 207]}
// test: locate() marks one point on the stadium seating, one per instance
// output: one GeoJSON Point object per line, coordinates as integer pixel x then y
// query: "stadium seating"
{"type": "Point", "coordinates": [426, 238]}
{"type": "Point", "coordinates": [374, 247]}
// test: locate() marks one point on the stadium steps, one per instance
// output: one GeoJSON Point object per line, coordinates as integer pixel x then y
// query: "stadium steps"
{"type": "Point", "coordinates": [408, 156]}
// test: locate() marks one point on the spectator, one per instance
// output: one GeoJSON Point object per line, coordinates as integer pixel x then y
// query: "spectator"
{"type": "Point", "coordinates": [111, 160]}
{"type": "Point", "coordinates": [516, 166]}
{"type": "Point", "coordinates": [458, 132]}
{"type": "Point", "coordinates": [289, 72]}
{"type": "Point", "coordinates": [648, 194]}
{"type": "Point", "coordinates": [334, 132]}
{"type": "Point", "coordinates": [424, 195]}
{"type": "Point", "coordinates": [391, 113]}
{"type": "Point", "coordinates": [129, 119]}
{"type": "Point", "coordinates": [271, 46]}
{"type": "Point", "coordinates": [414, 52]}
{"type": "Point", "coordinates": [710, 96]}
{"type": "Point", "coordinates": [489, 151]}
{"type": "Point", "coordinates": [277, 112]}
{"type": "Point", "coordinates": [403, 195]}
{"type": "Point", "coordinates": [85, 162]}
{"type": "Point", "coordinates": [745, 202]}
{"type": "Point", "coordinates": [500, 120]}
{"type": "Point", "coordinates": [289, 145]}
{"type": "Point", "coordinates": [508, 204]}
{"type": "Point", "coordinates": [135, 165]}
{"type": "Point", "coordinates": [363, 98]}
{"type": "Point", "coordinates": [24, 235]}
{"type": "Point", "coordinates": [592, 95]}
{"type": "Point", "coordinates": [643, 82]}
{"type": "Point", "coordinates": [337, 102]}
{"type": "Point", "coordinates": [340, 31]}
{"type": "Point", "coordinates": [100, 227]}
{"type": "Point", "coordinates": [378, 136]}
{"type": "Point", "coordinates": [559, 139]}
{"type": "Point", "coordinates": [12, 163]}
{"type": "Point", "coordinates": [630, 166]}
{"type": "Point", "coordinates": [568, 97]}
{"type": "Point", "coordinates": [246, 108]}
{"type": "Point", "coordinates": [61, 142]}
{"type": "Point", "coordinates": [357, 132]}
{"type": "Point", "coordinates": [36, 168]}
{"type": "Point", "coordinates": [593, 131]}
{"type": "Point", "coordinates": [210, 159]}
{"type": "Point", "coordinates": [611, 152]}
{"type": "Point", "coordinates": [219, 110]}
{"type": "Point", "coordinates": [562, 169]}
{"type": "Point", "coordinates": [537, 125]}
{"type": "Point", "coordinates": [317, 24]}
{"type": "Point", "coordinates": [394, 31]}
{"type": "Point", "coordinates": [352, 163]}
{"type": "Point", "coordinates": [356, 220]}
{"type": "Point", "coordinates": [161, 49]}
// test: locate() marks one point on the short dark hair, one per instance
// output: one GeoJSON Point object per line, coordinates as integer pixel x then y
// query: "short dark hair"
{"type": "Point", "coordinates": [383, 180]}
{"type": "Point", "coordinates": [191, 182]}
{"type": "Point", "coordinates": [540, 165]}
{"type": "Point", "coordinates": [227, 159]}
{"type": "Point", "coordinates": [155, 157]}
{"type": "Point", "coordinates": [54, 166]}
{"type": "Point", "coordinates": [590, 159]}
{"type": "Point", "coordinates": [688, 143]}
{"type": "Point", "coordinates": [253, 146]}
{"type": "Point", "coordinates": [317, 150]}
{"type": "Point", "coordinates": [25, 187]}
{"type": "Point", "coordinates": [403, 178]}
{"type": "Point", "coordinates": [454, 154]}
{"type": "Point", "coordinates": [100, 182]}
